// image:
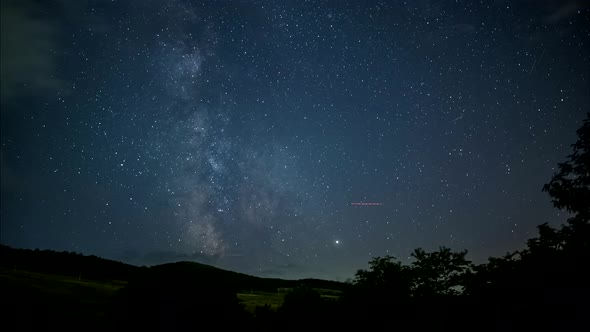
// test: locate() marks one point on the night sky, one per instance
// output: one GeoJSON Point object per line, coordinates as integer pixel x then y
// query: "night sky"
{"type": "Point", "coordinates": [240, 133]}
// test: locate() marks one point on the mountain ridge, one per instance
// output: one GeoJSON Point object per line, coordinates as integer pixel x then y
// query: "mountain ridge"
{"type": "Point", "coordinates": [92, 267]}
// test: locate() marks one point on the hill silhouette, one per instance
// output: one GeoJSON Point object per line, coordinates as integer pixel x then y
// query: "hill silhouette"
{"type": "Point", "coordinates": [67, 289]}
{"type": "Point", "coordinates": [93, 267]}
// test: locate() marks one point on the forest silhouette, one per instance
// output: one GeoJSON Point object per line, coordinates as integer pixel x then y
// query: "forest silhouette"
{"type": "Point", "coordinates": [543, 287]}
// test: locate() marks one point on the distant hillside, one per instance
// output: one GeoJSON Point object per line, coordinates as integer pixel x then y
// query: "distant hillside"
{"type": "Point", "coordinates": [96, 268]}
{"type": "Point", "coordinates": [65, 263]}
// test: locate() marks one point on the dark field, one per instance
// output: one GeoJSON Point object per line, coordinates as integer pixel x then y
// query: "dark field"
{"type": "Point", "coordinates": [33, 299]}
{"type": "Point", "coordinates": [95, 296]}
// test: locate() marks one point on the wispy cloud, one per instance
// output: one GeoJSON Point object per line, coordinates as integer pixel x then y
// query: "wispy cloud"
{"type": "Point", "coordinates": [558, 11]}
{"type": "Point", "coordinates": [29, 50]}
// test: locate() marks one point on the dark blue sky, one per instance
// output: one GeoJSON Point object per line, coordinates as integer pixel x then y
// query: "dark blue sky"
{"type": "Point", "coordinates": [238, 133]}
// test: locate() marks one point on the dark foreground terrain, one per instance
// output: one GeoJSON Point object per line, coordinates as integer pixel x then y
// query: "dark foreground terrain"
{"type": "Point", "coordinates": [537, 289]}
{"type": "Point", "coordinates": [48, 289]}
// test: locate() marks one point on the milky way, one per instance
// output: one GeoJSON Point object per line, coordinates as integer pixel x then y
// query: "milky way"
{"type": "Point", "coordinates": [246, 134]}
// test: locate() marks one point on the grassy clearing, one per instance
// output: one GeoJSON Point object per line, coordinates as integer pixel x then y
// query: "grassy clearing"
{"type": "Point", "coordinates": [32, 298]}
{"type": "Point", "coordinates": [89, 299]}
{"type": "Point", "coordinates": [253, 299]}
{"type": "Point", "coordinates": [57, 283]}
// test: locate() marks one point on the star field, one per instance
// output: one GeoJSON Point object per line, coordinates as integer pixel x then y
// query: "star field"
{"type": "Point", "coordinates": [238, 133]}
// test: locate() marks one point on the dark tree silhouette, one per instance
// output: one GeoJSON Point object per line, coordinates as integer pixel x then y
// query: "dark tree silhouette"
{"type": "Point", "coordinates": [439, 272]}
{"type": "Point", "coordinates": [553, 268]}
{"type": "Point", "coordinates": [301, 300]}
{"type": "Point", "coordinates": [387, 275]}
{"type": "Point", "coordinates": [570, 187]}
{"type": "Point", "coordinates": [171, 297]}
{"type": "Point", "coordinates": [304, 309]}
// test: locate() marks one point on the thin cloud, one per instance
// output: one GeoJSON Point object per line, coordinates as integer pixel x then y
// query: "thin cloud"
{"type": "Point", "coordinates": [29, 49]}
